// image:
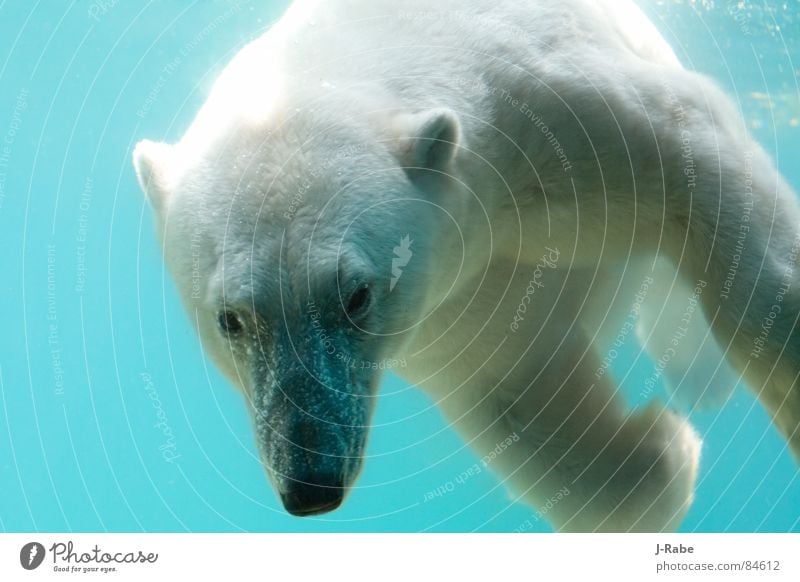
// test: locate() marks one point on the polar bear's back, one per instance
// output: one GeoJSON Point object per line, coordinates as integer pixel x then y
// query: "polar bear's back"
{"type": "Point", "coordinates": [570, 25]}
{"type": "Point", "coordinates": [636, 31]}
{"type": "Point", "coordinates": [421, 47]}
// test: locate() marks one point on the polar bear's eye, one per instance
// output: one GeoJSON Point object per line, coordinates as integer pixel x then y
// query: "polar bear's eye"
{"type": "Point", "coordinates": [359, 302]}
{"type": "Point", "coordinates": [229, 322]}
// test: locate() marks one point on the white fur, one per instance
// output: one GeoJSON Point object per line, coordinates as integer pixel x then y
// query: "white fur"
{"type": "Point", "coordinates": [655, 168]}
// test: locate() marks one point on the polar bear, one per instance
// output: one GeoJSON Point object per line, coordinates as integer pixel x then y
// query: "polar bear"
{"type": "Point", "coordinates": [493, 194]}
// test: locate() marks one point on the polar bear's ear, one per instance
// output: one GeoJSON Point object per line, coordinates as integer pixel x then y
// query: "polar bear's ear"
{"type": "Point", "coordinates": [429, 140]}
{"type": "Point", "coordinates": [152, 161]}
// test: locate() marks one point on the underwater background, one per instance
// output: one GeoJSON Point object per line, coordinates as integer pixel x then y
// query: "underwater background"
{"type": "Point", "coordinates": [111, 419]}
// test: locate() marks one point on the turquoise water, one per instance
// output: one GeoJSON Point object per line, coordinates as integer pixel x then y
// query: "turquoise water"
{"type": "Point", "coordinates": [110, 417]}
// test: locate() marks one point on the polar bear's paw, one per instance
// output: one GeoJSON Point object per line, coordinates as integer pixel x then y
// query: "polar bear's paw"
{"type": "Point", "coordinates": [655, 483]}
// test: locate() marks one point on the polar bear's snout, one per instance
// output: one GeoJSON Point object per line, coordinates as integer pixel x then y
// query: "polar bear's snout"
{"type": "Point", "coordinates": [341, 206]}
{"type": "Point", "coordinates": [311, 415]}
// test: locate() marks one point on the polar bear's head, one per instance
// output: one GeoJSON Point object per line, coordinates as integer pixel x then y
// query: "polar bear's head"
{"type": "Point", "coordinates": [307, 254]}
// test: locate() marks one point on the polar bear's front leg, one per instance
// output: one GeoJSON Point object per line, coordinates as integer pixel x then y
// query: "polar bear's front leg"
{"type": "Point", "coordinates": [646, 476]}
{"type": "Point", "coordinates": [580, 460]}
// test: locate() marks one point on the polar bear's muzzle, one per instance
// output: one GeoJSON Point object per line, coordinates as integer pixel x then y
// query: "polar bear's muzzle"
{"type": "Point", "coordinates": [311, 415]}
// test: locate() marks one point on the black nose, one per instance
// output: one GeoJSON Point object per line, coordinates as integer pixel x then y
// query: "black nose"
{"type": "Point", "coordinates": [305, 499]}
